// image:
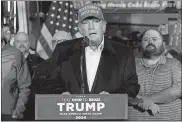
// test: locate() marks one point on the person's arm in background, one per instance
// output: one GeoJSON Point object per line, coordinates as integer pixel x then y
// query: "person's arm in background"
{"type": "Point", "coordinates": [24, 82]}
{"type": "Point", "coordinates": [172, 93]}
{"type": "Point", "coordinates": [167, 95]}
{"type": "Point", "coordinates": [130, 83]}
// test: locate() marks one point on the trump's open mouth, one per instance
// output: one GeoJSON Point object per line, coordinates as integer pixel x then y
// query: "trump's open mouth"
{"type": "Point", "coordinates": [92, 34]}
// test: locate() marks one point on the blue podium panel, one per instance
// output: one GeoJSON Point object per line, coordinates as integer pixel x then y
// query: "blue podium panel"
{"type": "Point", "coordinates": [81, 107]}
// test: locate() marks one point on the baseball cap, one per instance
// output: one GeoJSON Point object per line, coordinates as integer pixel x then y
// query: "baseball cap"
{"type": "Point", "coordinates": [90, 10]}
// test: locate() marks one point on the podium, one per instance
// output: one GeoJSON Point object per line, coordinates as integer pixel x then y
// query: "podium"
{"type": "Point", "coordinates": [81, 107]}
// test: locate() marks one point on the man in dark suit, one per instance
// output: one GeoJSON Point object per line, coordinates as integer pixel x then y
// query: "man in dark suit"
{"type": "Point", "coordinates": [89, 65]}
{"type": "Point", "coordinates": [22, 42]}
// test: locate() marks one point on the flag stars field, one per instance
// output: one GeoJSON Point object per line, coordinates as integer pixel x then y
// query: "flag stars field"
{"type": "Point", "coordinates": [66, 11]}
{"type": "Point", "coordinates": [52, 15]}
{"type": "Point", "coordinates": [64, 18]}
{"type": "Point", "coordinates": [56, 30]}
{"type": "Point", "coordinates": [71, 6]}
{"type": "Point", "coordinates": [57, 23]}
{"type": "Point", "coordinates": [59, 9]}
{"type": "Point", "coordinates": [76, 21]}
{"type": "Point", "coordinates": [60, 17]}
{"type": "Point", "coordinates": [51, 22]}
{"type": "Point", "coordinates": [53, 8]}
{"type": "Point", "coordinates": [66, 4]}
{"type": "Point", "coordinates": [76, 28]}
{"type": "Point", "coordinates": [64, 25]}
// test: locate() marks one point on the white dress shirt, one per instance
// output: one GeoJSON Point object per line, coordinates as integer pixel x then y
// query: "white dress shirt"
{"type": "Point", "coordinates": [92, 62]}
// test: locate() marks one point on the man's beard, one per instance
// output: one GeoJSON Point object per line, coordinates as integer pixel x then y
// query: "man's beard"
{"type": "Point", "coordinates": [23, 49]}
{"type": "Point", "coordinates": [151, 50]}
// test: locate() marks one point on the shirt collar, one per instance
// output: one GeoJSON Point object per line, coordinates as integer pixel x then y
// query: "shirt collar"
{"type": "Point", "coordinates": [162, 60]}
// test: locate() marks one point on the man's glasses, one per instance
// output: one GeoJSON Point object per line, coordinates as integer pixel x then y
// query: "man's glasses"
{"type": "Point", "coordinates": [150, 38]}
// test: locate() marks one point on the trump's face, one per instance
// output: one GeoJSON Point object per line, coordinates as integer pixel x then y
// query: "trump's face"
{"type": "Point", "coordinates": [93, 28]}
{"type": "Point", "coordinates": [152, 43]}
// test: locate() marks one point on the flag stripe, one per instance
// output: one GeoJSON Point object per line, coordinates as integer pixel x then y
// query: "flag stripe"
{"type": "Point", "coordinates": [45, 42]}
{"type": "Point", "coordinates": [47, 37]}
{"type": "Point", "coordinates": [45, 32]}
{"type": "Point", "coordinates": [41, 51]}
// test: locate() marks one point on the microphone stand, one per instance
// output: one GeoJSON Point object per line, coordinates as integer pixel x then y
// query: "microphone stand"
{"type": "Point", "coordinates": [83, 65]}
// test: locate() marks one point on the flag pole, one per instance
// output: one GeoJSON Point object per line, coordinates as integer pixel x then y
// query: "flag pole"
{"type": "Point", "coordinates": [15, 15]}
{"type": "Point", "coordinates": [38, 23]}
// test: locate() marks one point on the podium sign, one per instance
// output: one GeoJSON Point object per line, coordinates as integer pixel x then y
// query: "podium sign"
{"type": "Point", "coordinates": [81, 107]}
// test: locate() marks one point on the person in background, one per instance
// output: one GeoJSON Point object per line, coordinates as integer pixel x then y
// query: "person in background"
{"type": "Point", "coordinates": [89, 65]}
{"type": "Point", "coordinates": [59, 37]}
{"type": "Point", "coordinates": [5, 33]}
{"type": "Point", "coordinates": [22, 42]}
{"type": "Point", "coordinates": [174, 54]}
{"type": "Point", "coordinates": [163, 29]}
{"type": "Point", "coordinates": [137, 51]}
{"type": "Point", "coordinates": [120, 37]}
{"type": "Point", "coordinates": [160, 82]}
{"type": "Point", "coordinates": [167, 53]}
{"type": "Point", "coordinates": [15, 83]}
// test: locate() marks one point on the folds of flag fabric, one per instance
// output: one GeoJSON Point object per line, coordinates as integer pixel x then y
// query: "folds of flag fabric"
{"type": "Point", "coordinates": [61, 16]}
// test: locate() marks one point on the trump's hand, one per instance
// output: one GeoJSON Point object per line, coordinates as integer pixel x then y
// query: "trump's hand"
{"type": "Point", "coordinates": [104, 92]}
{"type": "Point", "coordinates": [66, 93]}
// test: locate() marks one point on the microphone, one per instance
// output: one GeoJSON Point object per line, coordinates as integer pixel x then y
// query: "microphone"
{"type": "Point", "coordinates": [85, 43]}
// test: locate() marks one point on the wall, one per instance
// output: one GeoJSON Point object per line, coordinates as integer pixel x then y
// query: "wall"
{"type": "Point", "coordinates": [138, 22]}
{"type": "Point", "coordinates": [154, 19]}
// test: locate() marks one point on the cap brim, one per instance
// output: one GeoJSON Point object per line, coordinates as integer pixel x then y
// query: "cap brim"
{"type": "Point", "coordinates": [91, 15]}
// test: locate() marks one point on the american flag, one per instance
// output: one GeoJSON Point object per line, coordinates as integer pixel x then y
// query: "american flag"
{"type": "Point", "coordinates": [61, 16]}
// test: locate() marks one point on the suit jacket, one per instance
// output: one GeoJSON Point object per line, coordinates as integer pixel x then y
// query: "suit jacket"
{"type": "Point", "coordinates": [33, 61]}
{"type": "Point", "coordinates": [116, 71]}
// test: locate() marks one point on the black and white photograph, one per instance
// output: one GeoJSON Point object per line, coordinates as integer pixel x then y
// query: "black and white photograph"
{"type": "Point", "coordinates": [81, 60]}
